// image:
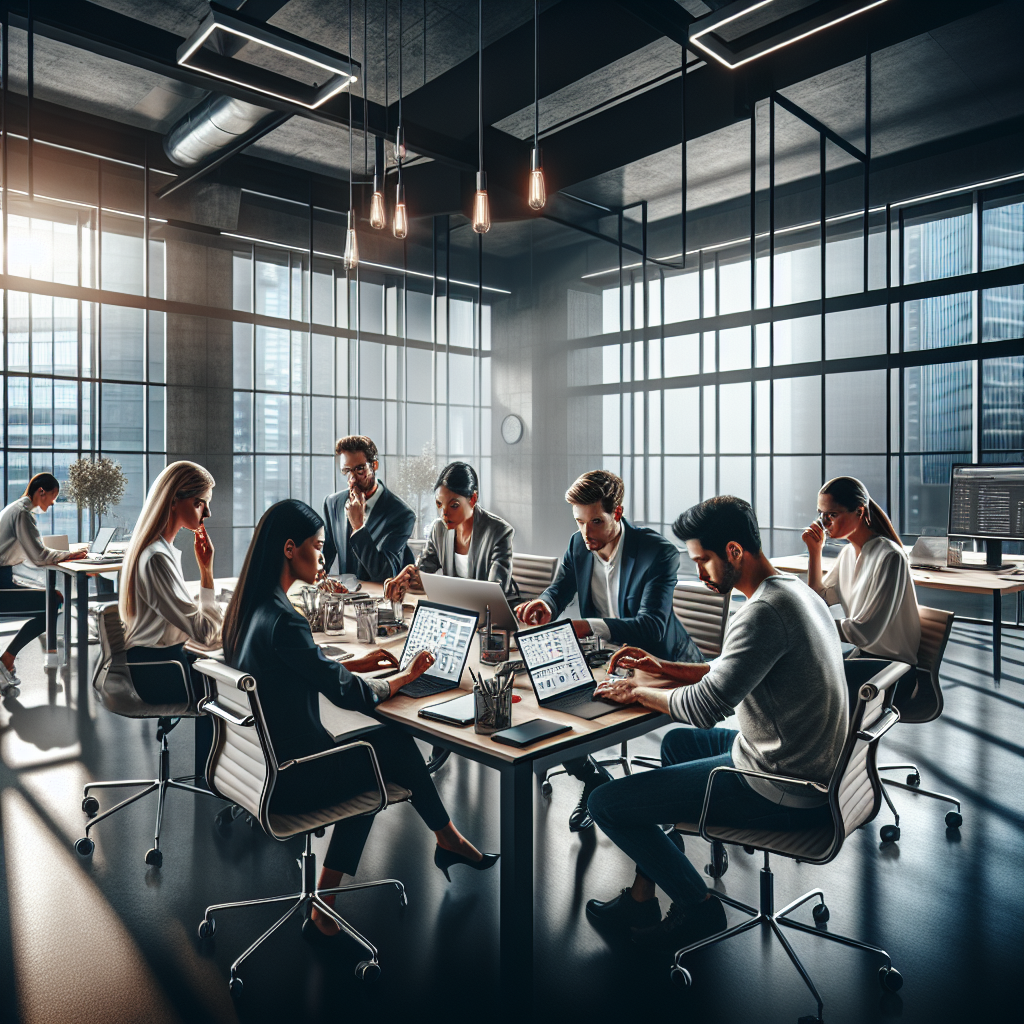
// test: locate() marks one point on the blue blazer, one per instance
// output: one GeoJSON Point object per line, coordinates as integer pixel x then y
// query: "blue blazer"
{"type": "Point", "coordinates": [647, 578]}
{"type": "Point", "coordinates": [381, 548]}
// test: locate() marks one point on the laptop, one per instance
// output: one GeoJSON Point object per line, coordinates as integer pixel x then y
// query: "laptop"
{"type": "Point", "coordinates": [97, 549]}
{"type": "Point", "coordinates": [929, 553]}
{"type": "Point", "coordinates": [476, 595]}
{"type": "Point", "coordinates": [561, 677]}
{"type": "Point", "coordinates": [447, 633]}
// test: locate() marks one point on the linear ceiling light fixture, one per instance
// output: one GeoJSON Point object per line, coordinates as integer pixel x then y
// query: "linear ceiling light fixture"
{"type": "Point", "coordinates": [481, 204]}
{"type": "Point", "coordinates": [705, 32]}
{"type": "Point", "coordinates": [538, 195]}
{"type": "Point", "coordinates": [194, 54]}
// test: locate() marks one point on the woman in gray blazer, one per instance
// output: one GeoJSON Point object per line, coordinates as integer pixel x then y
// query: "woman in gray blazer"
{"type": "Point", "coordinates": [466, 540]}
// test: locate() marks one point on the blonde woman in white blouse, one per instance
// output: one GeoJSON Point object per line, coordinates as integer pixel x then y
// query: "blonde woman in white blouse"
{"type": "Point", "coordinates": [158, 612]}
{"type": "Point", "coordinates": [870, 578]}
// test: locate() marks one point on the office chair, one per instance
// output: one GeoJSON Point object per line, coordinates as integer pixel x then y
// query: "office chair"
{"type": "Point", "coordinates": [923, 705]}
{"type": "Point", "coordinates": [113, 684]}
{"type": "Point", "coordinates": [243, 768]}
{"type": "Point", "coordinates": [854, 796]}
{"type": "Point", "coordinates": [533, 574]}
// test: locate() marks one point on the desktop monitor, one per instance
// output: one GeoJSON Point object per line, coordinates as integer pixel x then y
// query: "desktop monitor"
{"type": "Point", "coordinates": [987, 503]}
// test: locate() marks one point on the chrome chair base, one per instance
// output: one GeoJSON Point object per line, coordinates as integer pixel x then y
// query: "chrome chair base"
{"type": "Point", "coordinates": [891, 833]}
{"type": "Point", "coordinates": [309, 897]}
{"type": "Point", "coordinates": [623, 761]}
{"type": "Point", "coordinates": [890, 978]}
{"type": "Point", "coordinates": [154, 856]}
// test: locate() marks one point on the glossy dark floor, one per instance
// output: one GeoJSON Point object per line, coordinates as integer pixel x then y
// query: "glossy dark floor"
{"type": "Point", "coordinates": [110, 939]}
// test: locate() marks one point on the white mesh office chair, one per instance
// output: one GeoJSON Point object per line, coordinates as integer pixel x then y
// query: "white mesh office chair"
{"type": "Point", "coordinates": [243, 768]}
{"type": "Point", "coordinates": [533, 574]}
{"type": "Point", "coordinates": [116, 691]}
{"type": "Point", "coordinates": [924, 704]}
{"type": "Point", "coordinates": [854, 796]}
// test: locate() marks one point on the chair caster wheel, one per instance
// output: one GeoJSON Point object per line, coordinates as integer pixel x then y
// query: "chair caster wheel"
{"type": "Point", "coordinates": [750, 850]}
{"type": "Point", "coordinates": [154, 857]}
{"type": "Point", "coordinates": [235, 987]}
{"type": "Point", "coordinates": [820, 913]}
{"type": "Point", "coordinates": [890, 978]}
{"type": "Point", "coordinates": [207, 928]}
{"type": "Point", "coordinates": [546, 788]}
{"type": "Point", "coordinates": [11, 691]}
{"type": "Point", "coordinates": [90, 805]}
{"type": "Point", "coordinates": [889, 833]}
{"type": "Point", "coordinates": [954, 819]}
{"type": "Point", "coordinates": [809, 1019]}
{"type": "Point", "coordinates": [914, 779]}
{"type": "Point", "coordinates": [719, 868]}
{"type": "Point", "coordinates": [320, 833]}
{"type": "Point", "coordinates": [367, 971]}
{"type": "Point", "coordinates": [681, 977]}
{"type": "Point", "coordinates": [84, 847]}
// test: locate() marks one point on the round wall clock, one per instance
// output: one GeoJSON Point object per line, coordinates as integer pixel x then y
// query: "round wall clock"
{"type": "Point", "coordinates": [511, 429]}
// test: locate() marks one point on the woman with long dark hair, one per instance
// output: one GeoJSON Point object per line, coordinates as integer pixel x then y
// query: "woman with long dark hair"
{"type": "Point", "coordinates": [465, 540]}
{"type": "Point", "coordinates": [870, 578]}
{"type": "Point", "coordinates": [20, 542]}
{"type": "Point", "coordinates": [266, 637]}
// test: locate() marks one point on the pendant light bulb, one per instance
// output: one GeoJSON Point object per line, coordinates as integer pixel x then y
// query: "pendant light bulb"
{"type": "Point", "coordinates": [400, 225]}
{"type": "Point", "coordinates": [377, 216]}
{"type": "Point", "coordinates": [351, 258]}
{"type": "Point", "coordinates": [538, 196]}
{"type": "Point", "coordinates": [481, 205]}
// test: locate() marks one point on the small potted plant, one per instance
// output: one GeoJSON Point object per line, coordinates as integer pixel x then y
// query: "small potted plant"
{"type": "Point", "coordinates": [97, 485]}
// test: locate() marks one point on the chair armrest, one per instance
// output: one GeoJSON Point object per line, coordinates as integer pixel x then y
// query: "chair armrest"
{"type": "Point", "coordinates": [881, 727]}
{"type": "Point", "coordinates": [224, 674]}
{"type": "Point", "coordinates": [725, 769]}
{"type": "Point", "coordinates": [889, 676]}
{"type": "Point", "coordinates": [209, 706]}
{"type": "Point", "coordinates": [374, 764]}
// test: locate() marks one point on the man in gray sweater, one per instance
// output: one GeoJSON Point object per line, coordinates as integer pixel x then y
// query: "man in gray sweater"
{"type": "Point", "coordinates": [780, 672]}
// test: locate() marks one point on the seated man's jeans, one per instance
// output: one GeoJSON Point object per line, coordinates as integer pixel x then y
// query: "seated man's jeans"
{"type": "Point", "coordinates": [632, 810]}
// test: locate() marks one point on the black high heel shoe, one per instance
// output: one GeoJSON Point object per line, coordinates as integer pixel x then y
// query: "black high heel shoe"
{"type": "Point", "coordinates": [444, 859]}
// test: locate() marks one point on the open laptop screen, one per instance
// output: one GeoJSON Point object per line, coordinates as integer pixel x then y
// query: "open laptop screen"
{"type": "Point", "coordinates": [101, 540]}
{"type": "Point", "coordinates": [553, 658]}
{"type": "Point", "coordinates": [445, 632]}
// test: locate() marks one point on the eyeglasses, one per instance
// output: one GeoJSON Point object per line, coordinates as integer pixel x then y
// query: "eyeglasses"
{"type": "Point", "coordinates": [361, 470]}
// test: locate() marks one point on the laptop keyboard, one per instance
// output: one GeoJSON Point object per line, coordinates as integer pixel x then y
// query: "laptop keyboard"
{"type": "Point", "coordinates": [573, 700]}
{"type": "Point", "coordinates": [424, 688]}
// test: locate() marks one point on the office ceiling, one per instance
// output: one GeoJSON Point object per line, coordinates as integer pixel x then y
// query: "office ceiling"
{"type": "Point", "coordinates": [610, 113]}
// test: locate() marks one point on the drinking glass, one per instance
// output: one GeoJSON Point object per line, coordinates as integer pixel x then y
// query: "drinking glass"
{"type": "Point", "coordinates": [332, 608]}
{"type": "Point", "coordinates": [311, 607]}
{"type": "Point", "coordinates": [366, 622]}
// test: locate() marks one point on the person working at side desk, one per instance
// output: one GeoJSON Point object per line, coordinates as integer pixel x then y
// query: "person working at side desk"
{"type": "Point", "coordinates": [20, 542]}
{"type": "Point", "coordinates": [871, 578]}
{"type": "Point", "coordinates": [466, 540]}
{"type": "Point", "coordinates": [368, 526]}
{"type": "Point", "coordinates": [157, 610]}
{"type": "Point", "coordinates": [780, 672]}
{"type": "Point", "coordinates": [624, 577]}
{"type": "Point", "coordinates": [266, 637]}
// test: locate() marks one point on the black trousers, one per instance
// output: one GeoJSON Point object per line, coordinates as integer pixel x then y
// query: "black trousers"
{"type": "Point", "coordinates": [157, 684]}
{"type": "Point", "coordinates": [16, 598]}
{"type": "Point", "coordinates": [335, 779]}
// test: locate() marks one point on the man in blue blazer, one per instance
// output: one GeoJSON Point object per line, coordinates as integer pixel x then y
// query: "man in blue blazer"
{"type": "Point", "coordinates": [624, 577]}
{"type": "Point", "coordinates": [368, 526]}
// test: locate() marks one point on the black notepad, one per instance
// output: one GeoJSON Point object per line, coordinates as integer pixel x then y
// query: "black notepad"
{"type": "Point", "coordinates": [529, 732]}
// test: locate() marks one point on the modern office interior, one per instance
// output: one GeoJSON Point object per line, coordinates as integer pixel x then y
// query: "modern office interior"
{"type": "Point", "coordinates": [710, 248]}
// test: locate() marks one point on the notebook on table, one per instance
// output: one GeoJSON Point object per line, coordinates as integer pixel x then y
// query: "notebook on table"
{"type": "Point", "coordinates": [447, 633]}
{"type": "Point", "coordinates": [559, 672]}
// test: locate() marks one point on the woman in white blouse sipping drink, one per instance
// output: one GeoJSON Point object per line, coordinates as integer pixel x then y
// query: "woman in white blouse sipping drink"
{"type": "Point", "coordinates": [158, 612]}
{"type": "Point", "coordinates": [870, 578]}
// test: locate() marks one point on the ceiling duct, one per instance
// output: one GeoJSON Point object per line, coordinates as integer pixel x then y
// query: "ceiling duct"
{"type": "Point", "coordinates": [219, 121]}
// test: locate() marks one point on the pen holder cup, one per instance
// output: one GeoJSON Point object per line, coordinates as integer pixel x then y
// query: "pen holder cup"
{"type": "Point", "coordinates": [366, 622]}
{"type": "Point", "coordinates": [312, 607]}
{"type": "Point", "coordinates": [332, 610]}
{"type": "Point", "coordinates": [493, 712]}
{"type": "Point", "coordinates": [495, 651]}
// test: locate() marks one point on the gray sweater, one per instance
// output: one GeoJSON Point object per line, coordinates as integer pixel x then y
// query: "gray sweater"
{"type": "Point", "coordinates": [781, 671]}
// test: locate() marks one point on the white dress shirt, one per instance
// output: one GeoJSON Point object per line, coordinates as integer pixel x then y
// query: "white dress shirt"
{"type": "Point", "coordinates": [165, 613]}
{"type": "Point", "coordinates": [462, 565]}
{"type": "Point", "coordinates": [878, 599]}
{"type": "Point", "coordinates": [19, 537]}
{"type": "Point", "coordinates": [604, 588]}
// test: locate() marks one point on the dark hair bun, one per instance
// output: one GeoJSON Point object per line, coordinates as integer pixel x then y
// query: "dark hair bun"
{"type": "Point", "coordinates": [459, 478]}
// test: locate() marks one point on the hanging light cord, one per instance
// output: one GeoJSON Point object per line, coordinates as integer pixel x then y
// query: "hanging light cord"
{"type": "Point", "coordinates": [350, 150]}
{"type": "Point", "coordinates": [536, 77]}
{"type": "Point", "coordinates": [401, 23]}
{"type": "Point", "coordinates": [480, 83]}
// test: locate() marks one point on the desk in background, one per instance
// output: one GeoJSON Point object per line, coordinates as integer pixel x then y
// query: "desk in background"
{"type": "Point", "coordinates": [962, 581]}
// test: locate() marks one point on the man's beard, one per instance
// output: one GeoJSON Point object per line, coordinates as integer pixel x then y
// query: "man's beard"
{"type": "Point", "coordinates": [732, 574]}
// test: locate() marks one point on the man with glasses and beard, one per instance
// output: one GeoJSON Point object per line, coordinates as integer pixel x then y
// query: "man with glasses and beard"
{"type": "Point", "coordinates": [368, 526]}
{"type": "Point", "coordinates": [780, 672]}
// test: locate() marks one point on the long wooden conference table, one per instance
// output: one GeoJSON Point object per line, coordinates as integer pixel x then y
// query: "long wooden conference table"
{"type": "Point", "coordinates": [516, 767]}
{"type": "Point", "coordinates": [964, 580]}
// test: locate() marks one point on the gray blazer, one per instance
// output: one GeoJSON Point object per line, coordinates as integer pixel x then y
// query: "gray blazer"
{"type": "Point", "coordinates": [490, 549]}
